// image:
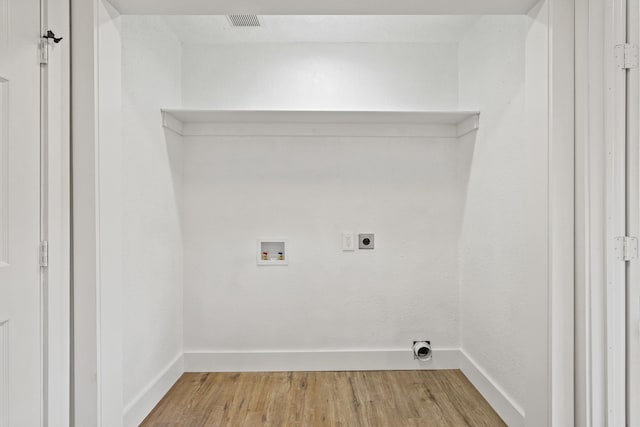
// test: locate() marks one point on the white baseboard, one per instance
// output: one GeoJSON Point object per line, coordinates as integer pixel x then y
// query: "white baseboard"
{"type": "Point", "coordinates": [142, 405]}
{"type": "Point", "coordinates": [508, 410]}
{"type": "Point", "coordinates": [341, 360]}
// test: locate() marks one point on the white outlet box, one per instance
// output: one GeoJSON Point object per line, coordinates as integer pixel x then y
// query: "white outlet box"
{"type": "Point", "coordinates": [272, 251]}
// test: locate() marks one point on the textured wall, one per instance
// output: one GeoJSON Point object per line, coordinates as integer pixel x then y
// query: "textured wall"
{"type": "Point", "coordinates": [309, 190]}
{"type": "Point", "coordinates": [503, 245]}
{"type": "Point", "coordinates": [152, 247]}
{"type": "Point", "coordinates": [321, 76]}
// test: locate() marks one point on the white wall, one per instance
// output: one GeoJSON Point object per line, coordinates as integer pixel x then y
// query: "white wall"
{"type": "Point", "coordinates": [157, 72]}
{"type": "Point", "coordinates": [321, 76]}
{"type": "Point", "coordinates": [310, 190]}
{"type": "Point", "coordinates": [461, 227]}
{"type": "Point", "coordinates": [503, 245]}
{"type": "Point", "coordinates": [403, 190]}
{"type": "Point", "coordinates": [151, 174]}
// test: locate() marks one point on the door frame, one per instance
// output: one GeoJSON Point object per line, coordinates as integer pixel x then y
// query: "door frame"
{"type": "Point", "coordinates": [93, 399]}
{"type": "Point", "coordinates": [591, 155]}
{"type": "Point", "coordinates": [561, 215]}
{"type": "Point", "coordinates": [616, 214]}
{"type": "Point", "coordinates": [55, 225]}
{"type": "Point", "coordinates": [633, 221]}
{"type": "Point", "coordinates": [87, 396]}
{"type": "Point", "coordinates": [607, 206]}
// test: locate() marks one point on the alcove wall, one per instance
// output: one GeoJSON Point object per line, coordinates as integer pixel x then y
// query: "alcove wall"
{"type": "Point", "coordinates": [460, 224]}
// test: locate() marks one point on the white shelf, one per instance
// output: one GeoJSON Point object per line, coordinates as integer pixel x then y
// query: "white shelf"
{"type": "Point", "coordinates": [444, 124]}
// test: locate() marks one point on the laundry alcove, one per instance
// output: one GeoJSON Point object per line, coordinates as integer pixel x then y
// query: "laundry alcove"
{"type": "Point", "coordinates": [430, 132]}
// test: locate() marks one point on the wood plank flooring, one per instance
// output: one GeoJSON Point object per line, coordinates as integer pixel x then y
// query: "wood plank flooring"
{"type": "Point", "coordinates": [309, 399]}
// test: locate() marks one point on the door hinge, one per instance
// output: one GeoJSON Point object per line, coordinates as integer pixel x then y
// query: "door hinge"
{"type": "Point", "coordinates": [44, 254]}
{"type": "Point", "coordinates": [626, 248]}
{"type": "Point", "coordinates": [44, 45]}
{"type": "Point", "coordinates": [626, 56]}
{"type": "Point", "coordinates": [44, 51]}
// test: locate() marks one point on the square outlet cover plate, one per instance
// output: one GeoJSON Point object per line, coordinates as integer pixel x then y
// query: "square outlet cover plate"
{"type": "Point", "coordinates": [365, 241]}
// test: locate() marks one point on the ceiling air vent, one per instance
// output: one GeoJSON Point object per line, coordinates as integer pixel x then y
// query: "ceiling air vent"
{"type": "Point", "coordinates": [244, 20]}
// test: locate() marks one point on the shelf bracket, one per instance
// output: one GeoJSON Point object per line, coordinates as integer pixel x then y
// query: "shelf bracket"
{"type": "Point", "coordinates": [171, 123]}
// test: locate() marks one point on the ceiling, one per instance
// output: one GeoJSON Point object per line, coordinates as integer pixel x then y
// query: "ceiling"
{"type": "Point", "coordinates": [215, 29]}
{"type": "Point", "coordinates": [322, 7]}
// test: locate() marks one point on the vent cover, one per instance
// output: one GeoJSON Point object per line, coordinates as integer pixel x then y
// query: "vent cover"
{"type": "Point", "coordinates": [244, 20]}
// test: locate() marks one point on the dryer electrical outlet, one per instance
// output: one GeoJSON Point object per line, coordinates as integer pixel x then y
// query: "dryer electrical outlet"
{"type": "Point", "coordinates": [366, 241]}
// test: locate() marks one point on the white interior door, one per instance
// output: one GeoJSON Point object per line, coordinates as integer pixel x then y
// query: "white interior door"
{"type": "Point", "coordinates": [20, 274]}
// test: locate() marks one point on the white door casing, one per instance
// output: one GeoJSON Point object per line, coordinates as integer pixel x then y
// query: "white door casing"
{"type": "Point", "coordinates": [92, 396]}
{"type": "Point", "coordinates": [56, 227]}
{"type": "Point", "coordinates": [21, 378]}
{"type": "Point", "coordinates": [617, 213]}
{"type": "Point", "coordinates": [623, 213]}
{"type": "Point", "coordinates": [633, 220]}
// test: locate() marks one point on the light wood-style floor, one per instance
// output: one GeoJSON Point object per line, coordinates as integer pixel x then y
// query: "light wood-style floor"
{"type": "Point", "coordinates": [309, 399]}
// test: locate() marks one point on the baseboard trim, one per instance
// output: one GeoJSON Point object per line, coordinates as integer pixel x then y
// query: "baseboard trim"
{"type": "Point", "coordinates": [504, 405]}
{"type": "Point", "coordinates": [142, 405]}
{"type": "Point", "coordinates": [341, 360]}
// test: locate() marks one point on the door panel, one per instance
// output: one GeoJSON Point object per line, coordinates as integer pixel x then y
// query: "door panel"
{"type": "Point", "coordinates": [20, 289]}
